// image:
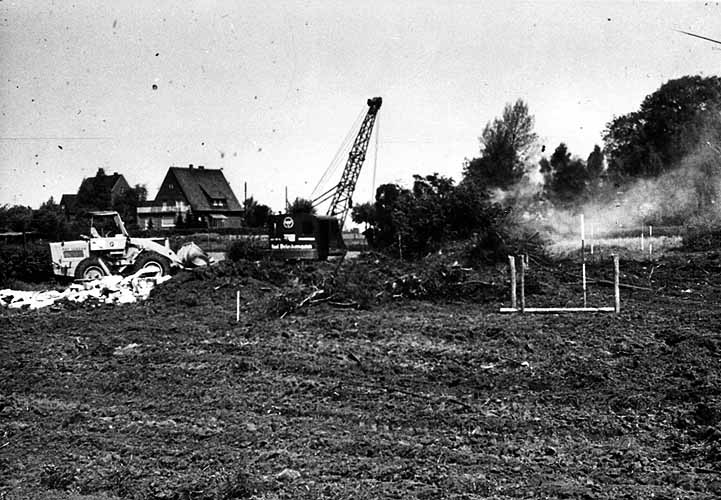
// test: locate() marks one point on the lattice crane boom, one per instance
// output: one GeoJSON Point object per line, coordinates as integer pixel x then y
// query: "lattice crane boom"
{"type": "Point", "coordinates": [342, 200]}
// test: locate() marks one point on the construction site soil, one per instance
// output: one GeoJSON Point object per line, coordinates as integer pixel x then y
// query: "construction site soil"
{"type": "Point", "coordinates": [371, 379]}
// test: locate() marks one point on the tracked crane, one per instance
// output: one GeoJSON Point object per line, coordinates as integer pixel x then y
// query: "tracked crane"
{"type": "Point", "coordinates": [307, 236]}
{"type": "Point", "coordinates": [342, 193]}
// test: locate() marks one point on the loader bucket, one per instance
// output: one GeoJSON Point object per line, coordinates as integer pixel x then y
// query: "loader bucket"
{"type": "Point", "coordinates": [191, 255]}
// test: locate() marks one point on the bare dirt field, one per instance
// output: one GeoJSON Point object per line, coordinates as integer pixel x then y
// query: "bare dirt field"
{"type": "Point", "coordinates": [400, 395]}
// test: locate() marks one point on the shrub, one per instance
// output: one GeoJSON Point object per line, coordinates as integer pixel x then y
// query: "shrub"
{"type": "Point", "coordinates": [245, 249]}
{"type": "Point", "coordinates": [26, 263]}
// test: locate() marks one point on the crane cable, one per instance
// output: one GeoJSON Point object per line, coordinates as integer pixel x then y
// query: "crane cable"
{"type": "Point", "coordinates": [375, 157]}
{"type": "Point", "coordinates": [344, 148]}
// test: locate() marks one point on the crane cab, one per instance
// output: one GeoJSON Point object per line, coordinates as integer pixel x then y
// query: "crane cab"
{"type": "Point", "coordinates": [305, 237]}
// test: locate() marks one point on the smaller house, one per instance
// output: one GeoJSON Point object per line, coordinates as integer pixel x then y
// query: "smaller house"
{"type": "Point", "coordinates": [197, 196]}
{"type": "Point", "coordinates": [98, 193]}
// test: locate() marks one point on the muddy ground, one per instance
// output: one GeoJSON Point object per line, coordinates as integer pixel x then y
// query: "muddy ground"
{"type": "Point", "coordinates": [411, 396]}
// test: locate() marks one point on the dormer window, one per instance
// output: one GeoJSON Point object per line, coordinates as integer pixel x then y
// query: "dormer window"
{"type": "Point", "coordinates": [219, 202]}
{"type": "Point", "coordinates": [170, 185]}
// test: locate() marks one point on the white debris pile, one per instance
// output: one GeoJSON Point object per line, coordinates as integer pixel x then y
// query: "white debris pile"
{"type": "Point", "coordinates": [106, 290]}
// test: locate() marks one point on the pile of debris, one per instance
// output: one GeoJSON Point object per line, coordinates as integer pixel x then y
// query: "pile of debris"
{"type": "Point", "coordinates": [106, 290]}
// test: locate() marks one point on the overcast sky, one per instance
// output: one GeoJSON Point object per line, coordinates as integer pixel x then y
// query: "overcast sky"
{"type": "Point", "coordinates": [269, 90]}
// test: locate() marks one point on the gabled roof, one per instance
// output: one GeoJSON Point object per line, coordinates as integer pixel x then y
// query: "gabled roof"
{"type": "Point", "coordinates": [202, 185]}
{"type": "Point", "coordinates": [102, 183]}
{"type": "Point", "coordinates": [70, 201]}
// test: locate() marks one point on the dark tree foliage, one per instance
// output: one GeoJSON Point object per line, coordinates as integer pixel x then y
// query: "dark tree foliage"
{"type": "Point", "coordinates": [505, 145]}
{"type": "Point", "coordinates": [669, 125]}
{"type": "Point", "coordinates": [256, 214]}
{"type": "Point", "coordinates": [569, 180]}
{"type": "Point", "coordinates": [91, 196]}
{"type": "Point", "coordinates": [421, 219]}
{"type": "Point", "coordinates": [16, 218]}
{"type": "Point", "coordinates": [594, 169]}
{"type": "Point", "coordinates": [565, 177]}
{"type": "Point", "coordinates": [365, 213]}
{"type": "Point", "coordinates": [128, 202]}
{"type": "Point", "coordinates": [49, 220]}
{"type": "Point", "coordinates": [301, 206]}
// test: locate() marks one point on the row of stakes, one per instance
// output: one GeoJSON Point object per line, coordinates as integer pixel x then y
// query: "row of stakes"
{"type": "Point", "coordinates": [616, 308]}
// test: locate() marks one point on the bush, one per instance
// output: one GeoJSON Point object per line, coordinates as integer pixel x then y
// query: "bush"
{"type": "Point", "coordinates": [246, 249]}
{"type": "Point", "coordinates": [29, 263]}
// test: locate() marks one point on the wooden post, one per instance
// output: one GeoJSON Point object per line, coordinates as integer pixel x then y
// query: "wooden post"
{"type": "Point", "coordinates": [616, 288]}
{"type": "Point", "coordinates": [583, 259]}
{"type": "Point", "coordinates": [524, 266]}
{"type": "Point", "coordinates": [512, 263]}
{"type": "Point", "coordinates": [237, 306]}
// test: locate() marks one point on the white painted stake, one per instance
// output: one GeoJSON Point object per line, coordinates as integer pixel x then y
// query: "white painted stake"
{"type": "Point", "coordinates": [616, 288]}
{"type": "Point", "coordinates": [524, 263]}
{"type": "Point", "coordinates": [592, 237]}
{"type": "Point", "coordinates": [583, 259]}
{"type": "Point", "coordinates": [554, 310]}
{"type": "Point", "coordinates": [642, 241]}
{"type": "Point", "coordinates": [512, 263]}
{"type": "Point", "coordinates": [237, 306]}
{"type": "Point", "coordinates": [650, 231]}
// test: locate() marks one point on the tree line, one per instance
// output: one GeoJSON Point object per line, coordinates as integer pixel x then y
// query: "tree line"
{"type": "Point", "coordinates": [672, 123]}
{"type": "Point", "coordinates": [676, 121]}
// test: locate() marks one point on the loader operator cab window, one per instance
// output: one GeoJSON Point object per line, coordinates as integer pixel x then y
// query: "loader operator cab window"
{"type": "Point", "coordinates": [307, 227]}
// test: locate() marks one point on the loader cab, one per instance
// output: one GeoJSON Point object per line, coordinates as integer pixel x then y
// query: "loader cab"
{"type": "Point", "coordinates": [105, 224]}
{"type": "Point", "coordinates": [305, 237]}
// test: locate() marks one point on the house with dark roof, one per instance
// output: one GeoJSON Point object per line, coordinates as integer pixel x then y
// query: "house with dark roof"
{"type": "Point", "coordinates": [198, 196]}
{"type": "Point", "coordinates": [98, 193]}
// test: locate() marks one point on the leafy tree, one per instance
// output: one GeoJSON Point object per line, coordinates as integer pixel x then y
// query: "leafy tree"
{"type": "Point", "coordinates": [365, 213]}
{"type": "Point", "coordinates": [91, 195]}
{"type": "Point", "coordinates": [17, 218]}
{"type": "Point", "coordinates": [256, 214]}
{"type": "Point", "coordinates": [127, 203]}
{"type": "Point", "coordinates": [594, 167]}
{"type": "Point", "coordinates": [301, 206]}
{"type": "Point", "coordinates": [506, 144]}
{"type": "Point", "coordinates": [669, 125]}
{"type": "Point", "coordinates": [430, 214]}
{"type": "Point", "coordinates": [49, 220]}
{"type": "Point", "coordinates": [566, 178]}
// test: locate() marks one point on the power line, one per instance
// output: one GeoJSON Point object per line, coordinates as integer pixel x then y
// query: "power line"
{"type": "Point", "coordinates": [56, 138]}
{"type": "Point", "coordinates": [699, 36]}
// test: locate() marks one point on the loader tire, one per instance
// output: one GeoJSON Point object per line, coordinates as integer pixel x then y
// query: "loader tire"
{"type": "Point", "coordinates": [152, 260]}
{"type": "Point", "coordinates": [90, 269]}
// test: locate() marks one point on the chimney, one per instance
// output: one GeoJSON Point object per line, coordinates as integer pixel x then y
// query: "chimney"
{"type": "Point", "coordinates": [201, 167]}
{"type": "Point", "coordinates": [190, 166]}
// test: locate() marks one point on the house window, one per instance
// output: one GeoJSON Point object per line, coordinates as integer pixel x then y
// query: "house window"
{"type": "Point", "coordinates": [170, 185]}
{"type": "Point", "coordinates": [167, 221]}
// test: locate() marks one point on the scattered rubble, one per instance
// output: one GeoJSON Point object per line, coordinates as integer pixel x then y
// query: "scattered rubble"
{"type": "Point", "coordinates": [106, 290]}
